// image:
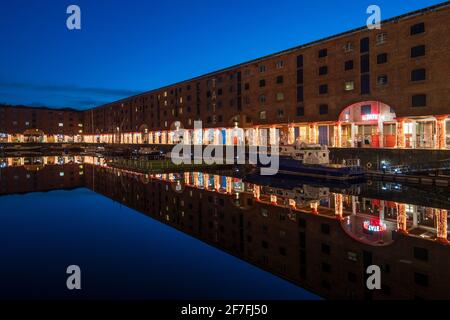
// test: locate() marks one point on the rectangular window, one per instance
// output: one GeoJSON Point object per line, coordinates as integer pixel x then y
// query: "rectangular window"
{"type": "Point", "coordinates": [421, 254]}
{"type": "Point", "coordinates": [365, 64]}
{"type": "Point", "coordinates": [364, 45]}
{"type": "Point", "coordinates": [323, 53]}
{"type": "Point", "coordinates": [280, 96]}
{"type": "Point", "coordinates": [300, 94]}
{"type": "Point", "coordinates": [382, 80]}
{"type": "Point", "coordinates": [323, 70]}
{"type": "Point", "coordinates": [262, 68]}
{"type": "Point", "coordinates": [418, 51]}
{"type": "Point", "coordinates": [381, 38]}
{"type": "Point", "coordinates": [382, 58]}
{"type": "Point", "coordinates": [280, 79]}
{"type": "Point", "coordinates": [262, 99]}
{"type": "Point", "coordinates": [348, 47]}
{"type": "Point", "coordinates": [323, 89]}
{"type": "Point", "coordinates": [299, 61]}
{"type": "Point", "coordinates": [247, 86]}
{"type": "Point", "coordinates": [262, 83]}
{"type": "Point", "coordinates": [418, 75]}
{"type": "Point", "coordinates": [300, 76]}
{"type": "Point", "coordinates": [323, 109]}
{"type": "Point", "coordinates": [280, 113]}
{"type": "Point", "coordinates": [366, 110]}
{"type": "Point", "coordinates": [280, 64]}
{"type": "Point", "coordinates": [365, 84]}
{"type": "Point", "coordinates": [349, 85]}
{"type": "Point", "coordinates": [418, 28]}
{"type": "Point", "coordinates": [262, 115]}
{"type": "Point", "coordinates": [300, 111]}
{"type": "Point", "coordinates": [421, 279]}
{"type": "Point", "coordinates": [348, 65]}
{"type": "Point", "coordinates": [419, 100]}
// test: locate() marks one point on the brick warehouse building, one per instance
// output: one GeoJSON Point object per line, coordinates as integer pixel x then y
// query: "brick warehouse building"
{"type": "Point", "coordinates": [26, 124]}
{"type": "Point", "coordinates": [386, 88]}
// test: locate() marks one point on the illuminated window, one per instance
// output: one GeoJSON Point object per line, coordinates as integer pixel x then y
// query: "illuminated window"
{"type": "Point", "coordinates": [262, 115]}
{"type": "Point", "coordinates": [280, 64]}
{"type": "Point", "coordinates": [382, 80]}
{"type": "Point", "coordinates": [349, 85]}
{"type": "Point", "coordinates": [61, 124]}
{"type": "Point", "coordinates": [348, 47]}
{"type": "Point", "coordinates": [381, 38]}
{"type": "Point", "coordinates": [61, 174]}
{"type": "Point", "coordinates": [280, 96]}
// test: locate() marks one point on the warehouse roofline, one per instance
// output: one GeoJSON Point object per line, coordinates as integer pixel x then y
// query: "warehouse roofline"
{"type": "Point", "coordinates": [408, 15]}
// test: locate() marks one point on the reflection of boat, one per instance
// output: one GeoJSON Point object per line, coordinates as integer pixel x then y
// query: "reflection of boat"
{"type": "Point", "coordinates": [149, 153]}
{"type": "Point", "coordinates": [66, 148]}
{"type": "Point", "coordinates": [314, 161]}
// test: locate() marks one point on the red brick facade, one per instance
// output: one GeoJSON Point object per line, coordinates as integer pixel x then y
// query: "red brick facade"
{"type": "Point", "coordinates": [236, 91]}
{"type": "Point", "coordinates": [369, 88]}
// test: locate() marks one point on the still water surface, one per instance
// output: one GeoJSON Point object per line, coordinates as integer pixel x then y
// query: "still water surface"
{"type": "Point", "coordinates": [214, 235]}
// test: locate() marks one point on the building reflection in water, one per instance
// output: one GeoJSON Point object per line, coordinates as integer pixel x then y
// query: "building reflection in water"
{"type": "Point", "coordinates": [320, 237]}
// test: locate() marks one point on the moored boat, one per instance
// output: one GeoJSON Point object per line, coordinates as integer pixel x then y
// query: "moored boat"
{"type": "Point", "coordinates": [313, 160]}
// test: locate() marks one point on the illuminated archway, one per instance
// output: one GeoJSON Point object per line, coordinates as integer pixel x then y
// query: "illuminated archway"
{"type": "Point", "coordinates": [367, 124]}
{"type": "Point", "coordinates": [144, 130]}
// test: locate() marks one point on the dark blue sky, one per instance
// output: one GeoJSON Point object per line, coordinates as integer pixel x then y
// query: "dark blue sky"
{"type": "Point", "coordinates": [126, 47]}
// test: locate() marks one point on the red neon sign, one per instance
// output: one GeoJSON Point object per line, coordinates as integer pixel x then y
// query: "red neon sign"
{"type": "Point", "coordinates": [370, 117]}
{"type": "Point", "coordinates": [374, 226]}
